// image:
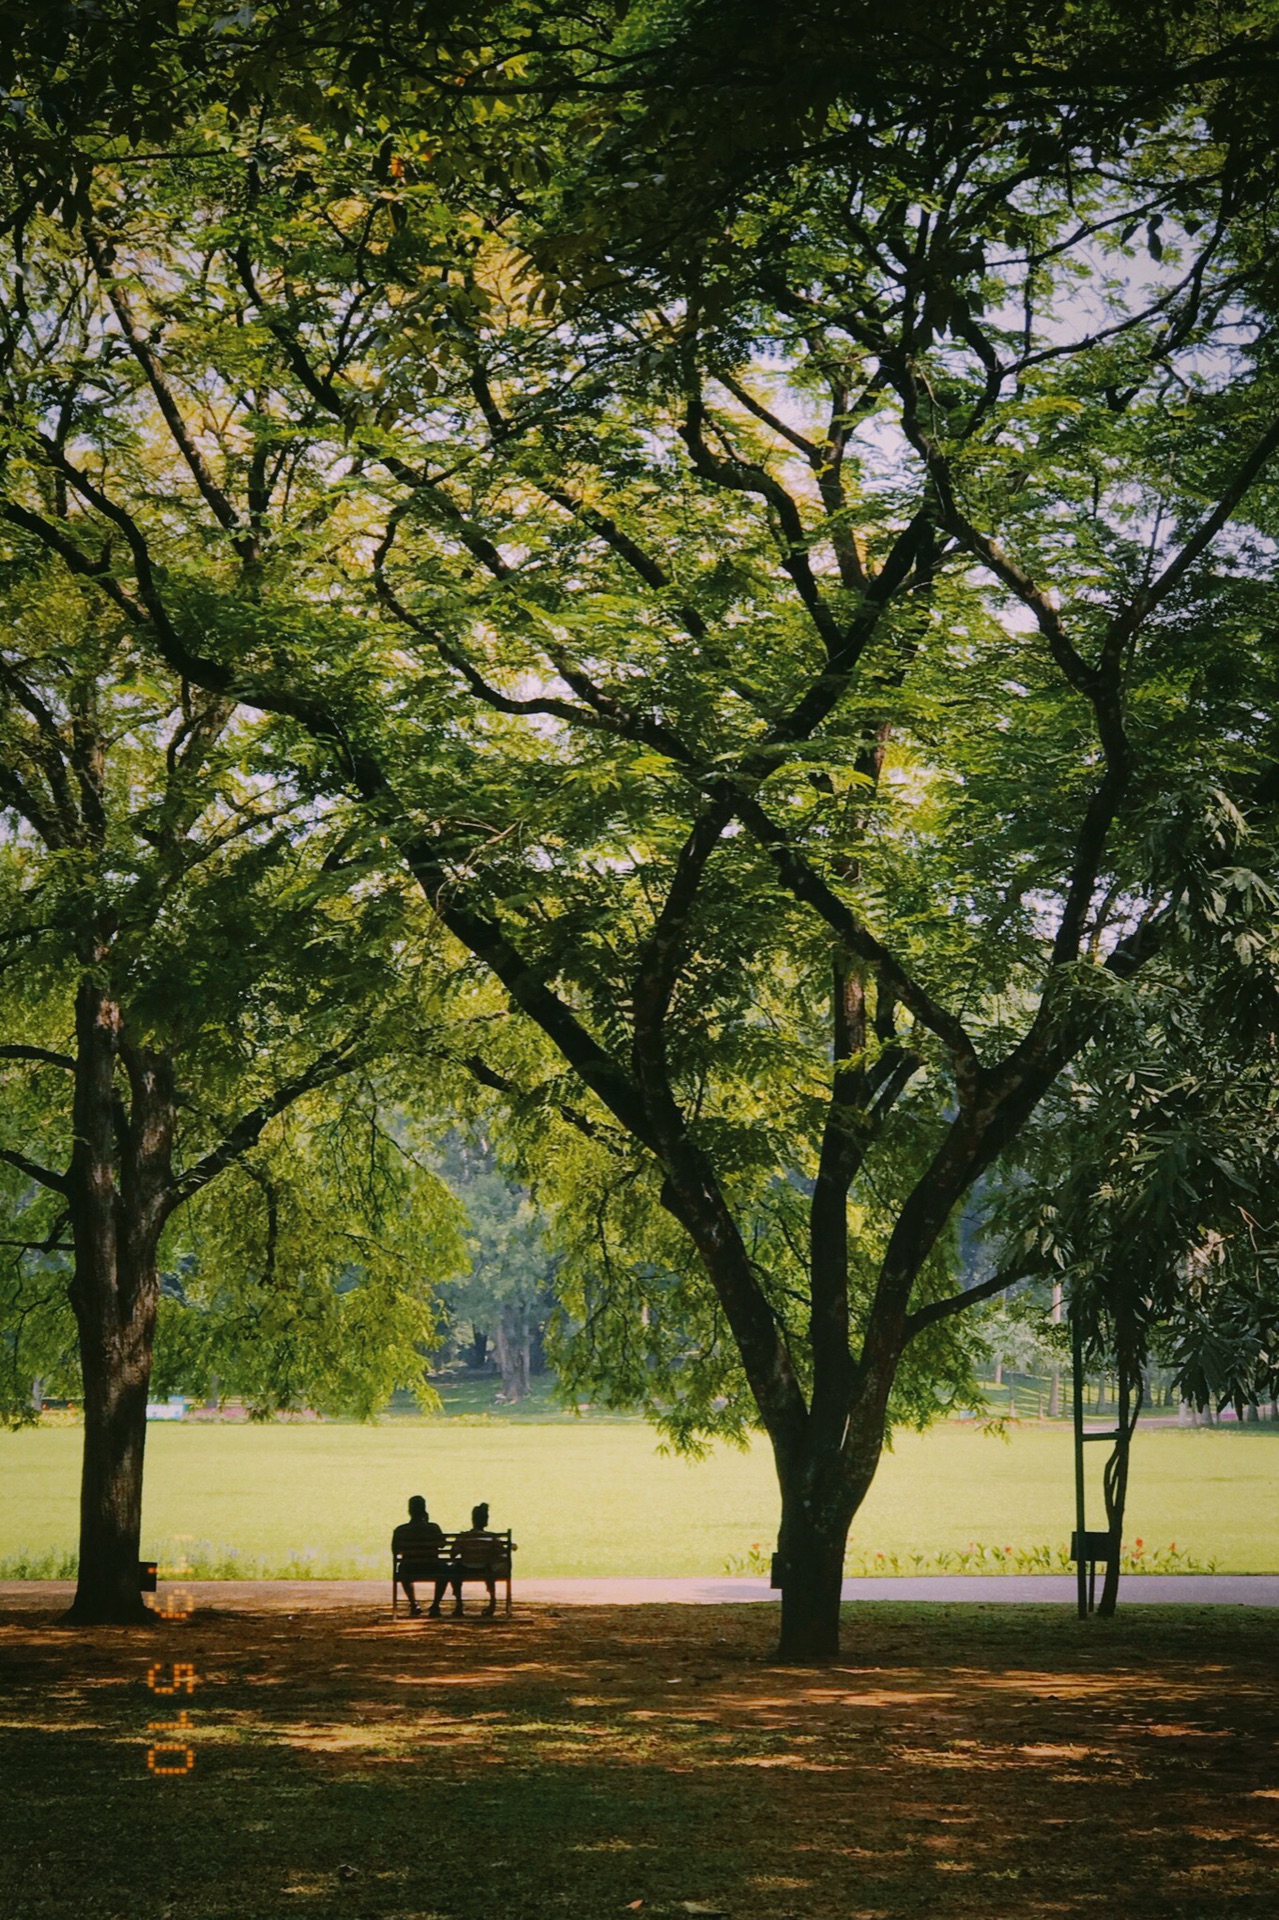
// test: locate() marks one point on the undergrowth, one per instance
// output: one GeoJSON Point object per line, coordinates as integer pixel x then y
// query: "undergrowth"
{"type": "Point", "coordinates": [192, 1559]}
{"type": "Point", "coordinates": [979, 1557]}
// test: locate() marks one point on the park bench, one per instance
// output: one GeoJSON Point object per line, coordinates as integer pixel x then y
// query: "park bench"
{"type": "Point", "coordinates": [485, 1560]}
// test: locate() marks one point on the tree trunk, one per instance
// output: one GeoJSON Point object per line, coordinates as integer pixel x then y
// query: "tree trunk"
{"type": "Point", "coordinates": [821, 1490]}
{"type": "Point", "coordinates": [511, 1357]}
{"type": "Point", "coordinates": [115, 1355]}
{"type": "Point", "coordinates": [812, 1578]}
{"type": "Point", "coordinates": [1129, 1388]}
{"type": "Point", "coordinates": [117, 1187]}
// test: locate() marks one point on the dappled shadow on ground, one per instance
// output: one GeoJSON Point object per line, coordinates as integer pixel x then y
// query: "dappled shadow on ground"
{"type": "Point", "coordinates": [591, 1762]}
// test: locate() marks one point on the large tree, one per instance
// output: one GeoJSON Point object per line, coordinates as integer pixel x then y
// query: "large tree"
{"type": "Point", "coordinates": [784, 522]}
{"type": "Point", "coordinates": [192, 963]}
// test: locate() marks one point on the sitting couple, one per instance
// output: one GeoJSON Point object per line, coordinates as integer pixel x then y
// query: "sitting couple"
{"type": "Point", "coordinates": [476, 1555]}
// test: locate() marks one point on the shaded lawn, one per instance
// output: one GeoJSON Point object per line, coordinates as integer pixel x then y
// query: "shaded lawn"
{"type": "Point", "coordinates": [966, 1761]}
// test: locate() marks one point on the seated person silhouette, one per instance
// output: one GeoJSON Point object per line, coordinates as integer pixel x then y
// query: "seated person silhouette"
{"type": "Point", "coordinates": [419, 1540]}
{"type": "Point", "coordinates": [477, 1552]}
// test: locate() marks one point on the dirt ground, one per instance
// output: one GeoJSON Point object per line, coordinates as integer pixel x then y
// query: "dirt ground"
{"type": "Point", "coordinates": [586, 1762]}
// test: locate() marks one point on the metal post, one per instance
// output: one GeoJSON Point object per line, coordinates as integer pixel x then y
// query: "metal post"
{"type": "Point", "coordinates": [1077, 1360]}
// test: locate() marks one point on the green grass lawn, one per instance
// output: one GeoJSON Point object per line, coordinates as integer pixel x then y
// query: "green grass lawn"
{"type": "Point", "coordinates": [596, 1497]}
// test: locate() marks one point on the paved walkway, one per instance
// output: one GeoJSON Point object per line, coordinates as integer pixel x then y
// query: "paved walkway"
{"type": "Point", "coordinates": [294, 1596]}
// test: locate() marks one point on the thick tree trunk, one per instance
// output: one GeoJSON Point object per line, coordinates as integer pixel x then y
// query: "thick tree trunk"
{"type": "Point", "coordinates": [115, 1354]}
{"type": "Point", "coordinates": [810, 1550]}
{"type": "Point", "coordinates": [117, 1185]}
{"type": "Point", "coordinates": [823, 1480]}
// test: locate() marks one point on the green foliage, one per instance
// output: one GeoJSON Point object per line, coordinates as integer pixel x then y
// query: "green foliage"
{"type": "Point", "coordinates": [635, 1325]}
{"type": "Point", "coordinates": [308, 1275]}
{"type": "Point", "coordinates": [1146, 1187]}
{"type": "Point", "coordinates": [245, 943]}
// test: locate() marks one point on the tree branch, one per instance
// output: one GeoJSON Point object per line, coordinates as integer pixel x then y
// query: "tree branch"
{"type": "Point", "coordinates": [249, 1128]}
{"type": "Point", "coordinates": [47, 749]}
{"type": "Point", "coordinates": [41, 1055]}
{"type": "Point", "coordinates": [511, 1090]}
{"type": "Point", "coordinates": [628, 549]}
{"type": "Point", "coordinates": [803, 880]}
{"type": "Point", "coordinates": [958, 1302]}
{"type": "Point", "coordinates": [913, 551]}
{"type": "Point", "coordinates": [809, 448]}
{"type": "Point", "coordinates": [51, 535]}
{"type": "Point", "coordinates": [488, 941]}
{"type": "Point", "coordinates": [662, 953]}
{"type": "Point", "coordinates": [742, 477]}
{"type": "Point", "coordinates": [15, 793]}
{"type": "Point", "coordinates": [43, 1176]}
{"type": "Point", "coordinates": [1209, 527]}
{"type": "Point", "coordinates": [223, 510]}
{"type": "Point", "coordinates": [452, 656]}
{"type": "Point", "coordinates": [826, 461]}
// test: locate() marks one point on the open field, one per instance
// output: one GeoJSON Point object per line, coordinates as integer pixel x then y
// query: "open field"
{"type": "Point", "coordinates": [596, 1497]}
{"type": "Point", "coordinates": [958, 1762]}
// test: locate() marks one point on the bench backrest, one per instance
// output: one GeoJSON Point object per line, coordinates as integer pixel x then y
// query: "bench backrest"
{"type": "Point", "coordinates": [493, 1556]}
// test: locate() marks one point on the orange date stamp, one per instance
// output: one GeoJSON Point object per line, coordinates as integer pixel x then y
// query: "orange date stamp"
{"type": "Point", "coordinates": [173, 1758]}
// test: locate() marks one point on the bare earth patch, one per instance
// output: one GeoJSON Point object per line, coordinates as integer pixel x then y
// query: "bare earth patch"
{"type": "Point", "coordinates": [969, 1761]}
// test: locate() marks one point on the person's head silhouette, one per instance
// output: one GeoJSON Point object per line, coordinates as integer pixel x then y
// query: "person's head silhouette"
{"type": "Point", "coordinates": [417, 1508]}
{"type": "Point", "coordinates": [480, 1514]}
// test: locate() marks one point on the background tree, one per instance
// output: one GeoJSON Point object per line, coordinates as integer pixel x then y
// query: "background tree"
{"type": "Point", "coordinates": [776, 612]}
{"type": "Point", "coordinates": [1146, 1184]}
{"type": "Point", "coordinates": [506, 1299]}
{"type": "Point", "coordinates": [188, 956]}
